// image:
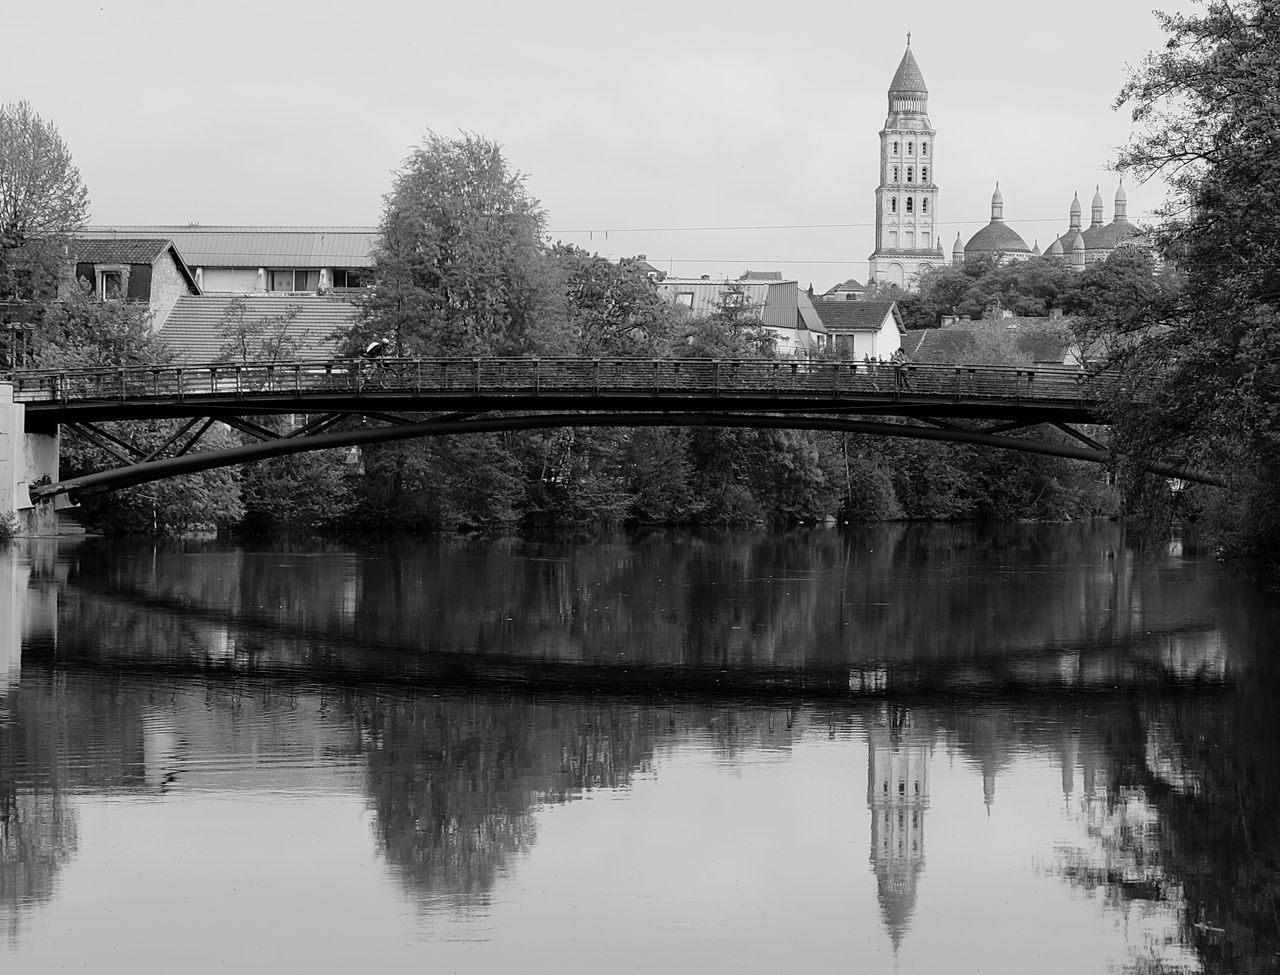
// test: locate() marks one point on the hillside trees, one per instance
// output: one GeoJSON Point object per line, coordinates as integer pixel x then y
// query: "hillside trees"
{"type": "Point", "coordinates": [42, 201]}
{"type": "Point", "coordinates": [1210, 363]}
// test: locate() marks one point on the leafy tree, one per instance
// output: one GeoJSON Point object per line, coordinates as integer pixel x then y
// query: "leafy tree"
{"type": "Point", "coordinates": [42, 202]}
{"type": "Point", "coordinates": [1208, 368]}
{"type": "Point", "coordinates": [607, 309]}
{"type": "Point", "coordinates": [459, 265]}
{"type": "Point", "coordinates": [257, 338]}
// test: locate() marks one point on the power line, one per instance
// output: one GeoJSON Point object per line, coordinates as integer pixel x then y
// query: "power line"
{"type": "Point", "coordinates": [783, 226]}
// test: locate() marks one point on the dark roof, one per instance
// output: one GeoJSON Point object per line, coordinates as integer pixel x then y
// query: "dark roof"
{"type": "Point", "coordinates": [1114, 233]}
{"type": "Point", "coordinates": [856, 316]}
{"type": "Point", "coordinates": [997, 237]}
{"type": "Point", "coordinates": [908, 76]}
{"type": "Point", "coordinates": [761, 276]}
{"type": "Point", "coordinates": [1041, 341]}
{"type": "Point", "coordinates": [851, 285]}
{"type": "Point", "coordinates": [193, 328]}
{"type": "Point", "coordinates": [138, 250]}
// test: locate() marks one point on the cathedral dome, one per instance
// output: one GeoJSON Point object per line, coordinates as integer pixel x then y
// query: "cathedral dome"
{"type": "Point", "coordinates": [997, 237]}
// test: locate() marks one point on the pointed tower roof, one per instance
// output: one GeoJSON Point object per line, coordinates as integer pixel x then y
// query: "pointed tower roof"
{"type": "Point", "coordinates": [1097, 206]}
{"type": "Point", "coordinates": [957, 249]}
{"type": "Point", "coordinates": [1075, 211]}
{"type": "Point", "coordinates": [1035, 248]}
{"type": "Point", "coordinates": [908, 77]}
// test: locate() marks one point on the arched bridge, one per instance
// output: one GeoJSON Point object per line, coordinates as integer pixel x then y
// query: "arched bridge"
{"type": "Point", "coordinates": [354, 402]}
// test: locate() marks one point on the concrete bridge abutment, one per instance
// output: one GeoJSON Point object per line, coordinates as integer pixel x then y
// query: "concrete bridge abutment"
{"type": "Point", "coordinates": [27, 458]}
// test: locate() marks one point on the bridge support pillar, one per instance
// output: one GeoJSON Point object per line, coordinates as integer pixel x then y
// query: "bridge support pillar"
{"type": "Point", "coordinates": [25, 458]}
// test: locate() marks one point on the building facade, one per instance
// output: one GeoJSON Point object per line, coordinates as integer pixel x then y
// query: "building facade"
{"type": "Point", "coordinates": [907, 197]}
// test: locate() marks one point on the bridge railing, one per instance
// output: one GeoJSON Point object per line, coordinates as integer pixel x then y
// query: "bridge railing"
{"type": "Point", "coordinates": [524, 377]}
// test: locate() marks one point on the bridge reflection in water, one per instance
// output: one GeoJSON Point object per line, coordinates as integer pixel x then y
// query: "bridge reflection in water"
{"type": "Point", "coordinates": [188, 670]}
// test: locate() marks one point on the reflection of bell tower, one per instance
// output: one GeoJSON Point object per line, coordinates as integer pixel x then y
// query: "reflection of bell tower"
{"type": "Point", "coordinates": [898, 795]}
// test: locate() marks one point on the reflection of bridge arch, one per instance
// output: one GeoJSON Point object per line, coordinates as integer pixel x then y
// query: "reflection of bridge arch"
{"type": "Point", "coordinates": [973, 404]}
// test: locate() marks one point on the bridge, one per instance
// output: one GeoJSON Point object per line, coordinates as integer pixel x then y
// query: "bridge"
{"type": "Point", "coordinates": [355, 402]}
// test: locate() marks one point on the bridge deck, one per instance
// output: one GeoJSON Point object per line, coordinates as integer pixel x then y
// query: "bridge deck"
{"type": "Point", "coordinates": [526, 383]}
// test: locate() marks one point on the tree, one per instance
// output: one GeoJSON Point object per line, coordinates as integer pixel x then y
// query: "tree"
{"type": "Point", "coordinates": [42, 202]}
{"type": "Point", "coordinates": [262, 339]}
{"type": "Point", "coordinates": [1208, 367]}
{"type": "Point", "coordinates": [459, 266]}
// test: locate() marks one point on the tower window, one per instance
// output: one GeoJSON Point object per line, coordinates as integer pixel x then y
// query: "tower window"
{"type": "Point", "coordinates": [893, 204]}
{"type": "Point", "coordinates": [911, 174]}
{"type": "Point", "coordinates": [909, 206]}
{"type": "Point", "coordinates": [924, 174]}
{"type": "Point", "coordinates": [924, 148]}
{"type": "Point", "coordinates": [911, 148]}
{"type": "Point", "coordinates": [895, 174]}
{"type": "Point", "coordinates": [895, 148]}
{"type": "Point", "coordinates": [924, 205]}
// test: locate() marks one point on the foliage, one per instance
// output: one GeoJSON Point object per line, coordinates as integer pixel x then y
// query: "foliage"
{"type": "Point", "coordinates": [460, 268]}
{"type": "Point", "coordinates": [8, 526]}
{"type": "Point", "coordinates": [81, 332]}
{"type": "Point", "coordinates": [42, 201]}
{"type": "Point", "coordinates": [259, 339]}
{"type": "Point", "coordinates": [1209, 359]}
{"type": "Point", "coordinates": [981, 288]}
{"type": "Point", "coordinates": [602, 308]}
{"type": "Point", "coordinates": [310, 491]}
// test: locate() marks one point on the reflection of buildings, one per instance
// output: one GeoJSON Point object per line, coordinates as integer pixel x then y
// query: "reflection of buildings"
{"type": "Point", "coordinates": [898, 795]}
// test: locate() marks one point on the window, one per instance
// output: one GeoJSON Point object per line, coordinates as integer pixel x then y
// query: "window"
{"type": "Point", "coordinates": [924, 174]}
{"type": "Point", "coordinates": [893, 204]}
{"type": "Point", "coordinates": [290, 279]}
{"type": "Point", "coordinates": [350, 277]}
{"type": "Point", "coordinates": [911, 174]}
{"type": "Point", "coordinates": [924, 148]}
{"type": "Point", "coordinates": [924, 205]}
{"type": "Point", "coordinates": [911, 148]}
{"type": "Point", "coordinates": [111, 281]}
{"type": "Point", "coordinates": [910, 207]}
{"type": "Point", "coordinates": [895, 148]}
{"type": "Point", "coordinates": [895, 174]}
{"type": "Point", "coordinates": [684, 298]}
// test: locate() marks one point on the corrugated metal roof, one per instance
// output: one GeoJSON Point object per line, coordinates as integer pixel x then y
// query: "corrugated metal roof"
{"type": "Point", "coordinates": [259, 246]}
{"type": "Point", "coordinates": [194, 327]}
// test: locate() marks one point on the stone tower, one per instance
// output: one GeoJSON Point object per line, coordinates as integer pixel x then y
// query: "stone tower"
{"type": "Point", "coordinates": [907, 197]}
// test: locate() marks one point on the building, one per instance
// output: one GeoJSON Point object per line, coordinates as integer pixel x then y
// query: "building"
{"type": "Point", "coordinates": [907, 197]}
{"type": "Point", "coordinates": [779, 305]}
{"type": "Point", "coordinates": [194, 329]}
{"type": "Point", "coordinates": [997, 241]}
{"type": "Point", "coordinates": [149, 270]}
{"type": "Point", "coordinates": [254, 260]}
{"type": "Point", "coordinates": [1081, 246]}
{"type": "Point", "coordinates": [862, 329]}
{"type": "Point", "coordinates": [851, 290]}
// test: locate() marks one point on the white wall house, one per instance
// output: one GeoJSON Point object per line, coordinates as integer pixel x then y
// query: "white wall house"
{"type": "Point", "coordinates": [862, 329]}
{"type": "Point", "coordinates": [780, 306]}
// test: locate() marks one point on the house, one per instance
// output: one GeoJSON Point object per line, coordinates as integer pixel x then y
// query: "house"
{"type": "Point", "coordinates": [141, 269]}
{"type": "Point", "coordinates": [254, 260]}
{"type": "Point", "coordinates": [999, 341]}
{"type": "Point", "coordinates": [862, 329]}
{"type": "Point", "coordinates": [851, 290]}
{"type": "Point", "coordinates": [779, 305]}
{"type": "Point", "coordinates": [194, 329]}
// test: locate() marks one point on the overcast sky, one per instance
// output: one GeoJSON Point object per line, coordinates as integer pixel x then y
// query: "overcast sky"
{"type": "Point", "coordinates": [639, 126]}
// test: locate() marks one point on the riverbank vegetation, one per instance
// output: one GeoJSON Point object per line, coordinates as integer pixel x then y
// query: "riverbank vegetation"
{"type": "Point", "coordinates": [464, 267]}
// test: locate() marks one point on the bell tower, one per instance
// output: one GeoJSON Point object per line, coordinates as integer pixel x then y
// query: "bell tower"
{"type": "Point", "coordinates": [907, 197]}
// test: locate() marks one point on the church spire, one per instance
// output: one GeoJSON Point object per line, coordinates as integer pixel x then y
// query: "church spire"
{"type": "Point", "coordinates": [1096, 216]}
{"type": "Point", "coordinates": [907, 90]}
{"type": "Point", "coordinates": [1075, 212]}
{"type": "Point", "coordinates": [997, 205]}
{"type": "Point", "coordinates": [1122, 204]}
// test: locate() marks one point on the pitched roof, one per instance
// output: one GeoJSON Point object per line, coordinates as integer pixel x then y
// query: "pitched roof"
{"type": "Point", "coordinates": [260, 246]}
{"type": "Point", "coordinates": [1038, 340]}
{"type": "Point", "coordinates": [194, 327]}
{"type": "Point", "coordinates": [856, 316]}
{"type": "Point", "coordinates": [133, 250]}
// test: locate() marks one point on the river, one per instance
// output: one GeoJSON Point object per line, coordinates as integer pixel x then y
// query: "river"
{"type": "Point", "coordinates": [893, 749]}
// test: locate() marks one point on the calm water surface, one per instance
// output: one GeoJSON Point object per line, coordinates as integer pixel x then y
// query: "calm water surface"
{"type": "Point", "coordinates": [905, 749]}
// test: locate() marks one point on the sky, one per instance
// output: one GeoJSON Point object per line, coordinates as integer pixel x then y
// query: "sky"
{"type": "Point", "coordinates": [712, 138]}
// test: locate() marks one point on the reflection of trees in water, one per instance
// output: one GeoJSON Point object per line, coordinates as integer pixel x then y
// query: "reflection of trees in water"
{"type": "Point", "coordinates": [38, 828]}
{"type": "Point", "coordinates": [455, 781]}
{"type": "Point", "coordinates": [1178, 818]}
{"type": "Point", "coordinates": [808, 600]}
